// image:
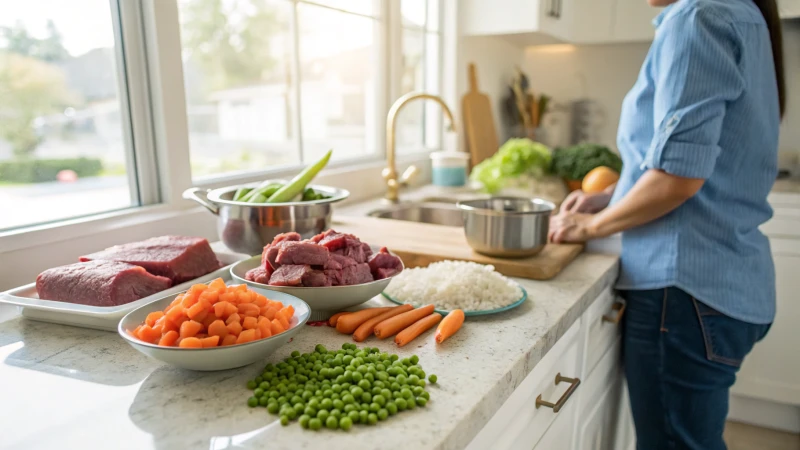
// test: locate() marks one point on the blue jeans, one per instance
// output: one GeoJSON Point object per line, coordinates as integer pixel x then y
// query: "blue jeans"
{"type": "Point", "coordinates": [681, 358]}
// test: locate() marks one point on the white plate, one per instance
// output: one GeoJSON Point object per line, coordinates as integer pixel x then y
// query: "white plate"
{"type": "Point", "coordinates": [324, 301]}
{"type": "Point", "coordinates": [99, 317]}
{"type": "Point", "coordinates": [217, 358]}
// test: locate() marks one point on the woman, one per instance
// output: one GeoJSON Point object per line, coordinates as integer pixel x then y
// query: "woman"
{"type": "Point", "coordinates": [698, 136]}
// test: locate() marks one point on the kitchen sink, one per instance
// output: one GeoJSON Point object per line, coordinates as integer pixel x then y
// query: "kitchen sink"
{"type": "Point", "coordinates": [434, 213]}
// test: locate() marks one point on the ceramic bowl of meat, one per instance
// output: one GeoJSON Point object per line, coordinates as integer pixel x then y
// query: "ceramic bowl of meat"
{"type": "Point", "coordinates": [215, 358]}
{"type": "Point", "coordinates": [324, 301]}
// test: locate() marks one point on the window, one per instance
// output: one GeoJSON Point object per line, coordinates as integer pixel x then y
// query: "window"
{"type": "Point", "coordinates": [273, 83]}
{"type": "Point", "coordinates": [63, 128]}
{"type": "Point", "coordinates": [419, 125]}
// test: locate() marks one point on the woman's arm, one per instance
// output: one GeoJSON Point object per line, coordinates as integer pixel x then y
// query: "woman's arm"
{"type": "Point", "coordinates": [581, 202]}
{"type": "Point", "coordinates": [654, 195]}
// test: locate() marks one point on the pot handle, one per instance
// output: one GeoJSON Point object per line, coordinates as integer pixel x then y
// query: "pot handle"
{"type": "Point", "coordinates": [201, 196]}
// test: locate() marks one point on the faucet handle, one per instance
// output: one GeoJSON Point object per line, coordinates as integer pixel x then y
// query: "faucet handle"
{"type": "Point", "coordinates": [409, 174]}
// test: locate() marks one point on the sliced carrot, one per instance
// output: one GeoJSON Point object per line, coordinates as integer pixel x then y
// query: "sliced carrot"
{"type": "Point", "coordinates": [228, 340]}
{"type": "Point", "coordinates": [265, 327]}
{"type": "Point", "coordinates": [166, 325]}
{"type": "Point", "coordinates": [189, 299]}
{"type": "Point", "coordinates": [199, 310]}
{"type": "Point", "coordinates": [276, 327]}
{"type": "Point", "coordinates": [250, 323]}
{"type": "Point", "coordinates": [284, 323]}
{"type": "Point", "coordinates": [449, 325]}
{"type": "Point", "coordinates": [210, 341]}
{"type": "Point", "coordinates": [231, 309]}
{"type": "Point", "coordinates": [209, 319]}
{"type": "Point", "coordinates": [262, 310]}
{"type": "Point", "coordinates": [233, 318]}
{"type": "Point", "coordinates": [258, 333]}
{"type": "Point", "coordinates": [218, 328]}
{"type": "Point", "coordinates": [417, 328]}
{"type": "Point", "coordinates": [246, 336]}
{"type": "Point", "coordinates": [396, 324]}
{"type": "Point", "coordinates": [270, 312]}
{"type": "Point", "coordinates": [367, 328]}
{"type": "Point", "coordinates": [190, 328]}
{"type": "Point", "coordinates": [276, 304]}
{"type": "Point", "coordinates": [235, 328]}
{"type": "Point", "coordinates": [148, 334]}
{"type": "Point", "coordinates": [210, 295]}
{"type": "Point", "coordinates": [248, 309]}
{"type": "Point", "coordinates": [198, 288]}
{"type": "Point", "coordinates": [220, 309]}
{"type": "Point", "coordinates": [169, 338]}
{"type": "Point", "coordinates": [176, 314]}
{"type": "Point", "coordinates": [260, 300]}
{"type": "Point", "coordinates": [153, 317]}
{"type": "Point", "coordinates": [190, 342]}
{"type": "Point", "coordinates": [177, 300]}
{"type": "Point", "coordinates": [335, 318]}
{"type": "Point", "coordinates": [239, 288]}
{"type": "Point", "coordinates": [218, 284]}
{"type": "Point", "coordinates": [347, 324]}
{"type": "Point", "coordinates": [229, 297]}
{"type": "Point", "coordinates": [244, 297]}
{"type": "Point", "coordinates": [135, 332]}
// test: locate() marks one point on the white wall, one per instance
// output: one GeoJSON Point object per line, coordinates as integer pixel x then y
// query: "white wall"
{"type": "Point", "coordinates": [605, 73]}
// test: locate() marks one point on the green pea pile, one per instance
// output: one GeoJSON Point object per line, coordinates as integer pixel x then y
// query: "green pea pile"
{"type": "Point", "coordinates": [338, 389]}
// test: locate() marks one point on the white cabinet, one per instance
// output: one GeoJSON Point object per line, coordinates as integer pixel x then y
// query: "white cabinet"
{"type": "Point", "coordinates": [789, 9]}
{"type": "Point", "coordinates": [578, 387]}
{"type": "Point", "coordinates": [535, 22]}
{"type": "Point", "coordinates": [633, 21]}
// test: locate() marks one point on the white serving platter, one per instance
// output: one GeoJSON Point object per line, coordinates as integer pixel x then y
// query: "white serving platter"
{"type": "Point", "coordinates": [100, 317]}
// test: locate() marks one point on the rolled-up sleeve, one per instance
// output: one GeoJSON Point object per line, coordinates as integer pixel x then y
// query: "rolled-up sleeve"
{"type": "Point", "coordinates": [696, 73]}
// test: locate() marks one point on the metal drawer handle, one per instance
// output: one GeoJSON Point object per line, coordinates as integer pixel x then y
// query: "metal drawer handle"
{"type": "Point", "coordinates": [574, 383]}
{"type": "Point", "coordinates": [619, 307]}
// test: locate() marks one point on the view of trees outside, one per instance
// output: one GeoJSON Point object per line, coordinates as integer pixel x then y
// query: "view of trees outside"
{"type": "Point", "coordinates": [61, 148]}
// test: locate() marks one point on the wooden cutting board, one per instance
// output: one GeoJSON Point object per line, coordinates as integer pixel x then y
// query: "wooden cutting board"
{"type": "Point", "coordinates": [419, 244]}
{"type": "Point", "coordinates": [478, 121]}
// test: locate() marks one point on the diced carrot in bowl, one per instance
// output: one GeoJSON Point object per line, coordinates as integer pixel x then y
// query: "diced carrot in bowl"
{"type": "Point", "coordinates": [213, 315]}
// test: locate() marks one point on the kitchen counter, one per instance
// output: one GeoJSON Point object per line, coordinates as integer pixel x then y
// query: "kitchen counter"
{"type": "Point", "coordinates": [71, 387]}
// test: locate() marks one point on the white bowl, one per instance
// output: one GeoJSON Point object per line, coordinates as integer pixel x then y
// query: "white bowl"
{"type": "Point", "coordinates": [217, 358]}
{"type": "Point", "coordinates": [323, 301]}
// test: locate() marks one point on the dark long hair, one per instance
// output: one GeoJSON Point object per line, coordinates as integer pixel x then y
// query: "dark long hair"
{"type": "Point", "coordinates": [769, 9]}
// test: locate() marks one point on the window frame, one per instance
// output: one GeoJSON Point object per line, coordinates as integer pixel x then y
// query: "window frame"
{"type": "Point", "coordinates": [158, 126]}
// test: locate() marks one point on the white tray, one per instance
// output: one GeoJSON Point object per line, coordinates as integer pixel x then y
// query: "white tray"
{"type": "Point", "coordinates": [100, 317]}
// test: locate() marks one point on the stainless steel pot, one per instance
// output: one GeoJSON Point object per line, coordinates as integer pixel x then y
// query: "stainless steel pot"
{"type": "Point", "coordinates": [507, 227]}
{"type": "Point", "coordinates": [247, 228]}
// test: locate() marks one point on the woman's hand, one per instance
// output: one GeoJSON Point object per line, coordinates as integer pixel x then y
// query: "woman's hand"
{"type": "Point", "coordinates": [581, 202]}
{"type": "Point", "coordinates": [570, 227]}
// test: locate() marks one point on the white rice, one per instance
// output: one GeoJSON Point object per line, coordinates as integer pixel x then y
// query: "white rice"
{"type": "Point", "coordinates": [454, 285]}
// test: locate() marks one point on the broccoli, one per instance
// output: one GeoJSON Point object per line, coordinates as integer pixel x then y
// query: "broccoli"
{"type": "Point", "coordinates": [573, 163]}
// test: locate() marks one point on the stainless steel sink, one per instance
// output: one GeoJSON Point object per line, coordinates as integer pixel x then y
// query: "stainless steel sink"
{"type": "Point", "coordinates": [434, 213]}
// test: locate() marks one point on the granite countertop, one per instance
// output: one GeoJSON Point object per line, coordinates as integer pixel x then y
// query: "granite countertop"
{"type": "Point", "coordinates": [70, 387]}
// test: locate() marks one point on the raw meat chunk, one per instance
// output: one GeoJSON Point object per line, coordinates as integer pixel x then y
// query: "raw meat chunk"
{"type": "Point", "coordinates": [316, 278]}
{"type": "Point", "coordinates": [291, 275]}
{"type": "Point", "coordinates": [178, 258]}
{"type": "Point", "coordinates": [356, 274]}
{"type": "Point", "coordinates": [290, 236]}
{"type": "Point", "coordinates": [383, 264]}
{"type": "Point", "coordinates": [338, 262]}
{"type": "Point", "coordinates": [99, 283]}
{"type": "Point", "coordinates": [355, 253]}
{"type": "Point", "coordinates": [334, 241]}
{"type": "Point", "coordinates": [258, 274]}
{"type": "Point", "coordinates": [302, 253]}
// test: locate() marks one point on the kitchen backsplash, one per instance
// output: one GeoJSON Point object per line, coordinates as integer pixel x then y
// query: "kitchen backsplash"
{"type": "Point", "coordinates": [605, 73]}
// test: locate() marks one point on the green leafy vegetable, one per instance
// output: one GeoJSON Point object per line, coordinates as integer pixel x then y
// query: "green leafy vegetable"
{"type": "Point", "coordinates": [515, 158]}
{"type": "Point", "coordinates": [573, 163]}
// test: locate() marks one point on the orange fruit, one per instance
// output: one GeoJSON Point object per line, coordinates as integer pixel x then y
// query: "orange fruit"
{"type": "Point", "coordinates": [598, 179]}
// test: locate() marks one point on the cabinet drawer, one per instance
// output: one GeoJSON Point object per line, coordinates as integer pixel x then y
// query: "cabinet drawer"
{"type": "Point", "coordinates": [519, 423]}
{"type": "Point", "coordinates": [604, 326]}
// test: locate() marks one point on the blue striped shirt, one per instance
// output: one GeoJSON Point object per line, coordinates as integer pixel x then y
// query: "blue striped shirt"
{"type": "Point", "coordinates": [705, 105]}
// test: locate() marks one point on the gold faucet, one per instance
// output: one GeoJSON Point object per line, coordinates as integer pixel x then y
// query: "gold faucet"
{"type": "Point", "coordinates": [393, 184]}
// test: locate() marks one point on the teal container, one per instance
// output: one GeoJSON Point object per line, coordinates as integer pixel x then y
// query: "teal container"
{"type": "Point", "coordinates": [449, 169]}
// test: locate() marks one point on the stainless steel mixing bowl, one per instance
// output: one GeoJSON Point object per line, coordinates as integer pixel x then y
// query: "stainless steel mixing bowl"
{"type": "Point", "coordinates": [507, 227]}
{"type": "Point", "coordinates": [247, 228]}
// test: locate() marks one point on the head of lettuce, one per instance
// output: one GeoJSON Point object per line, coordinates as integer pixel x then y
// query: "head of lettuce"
{"type": "Point", "coordinates": [515, 158]}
